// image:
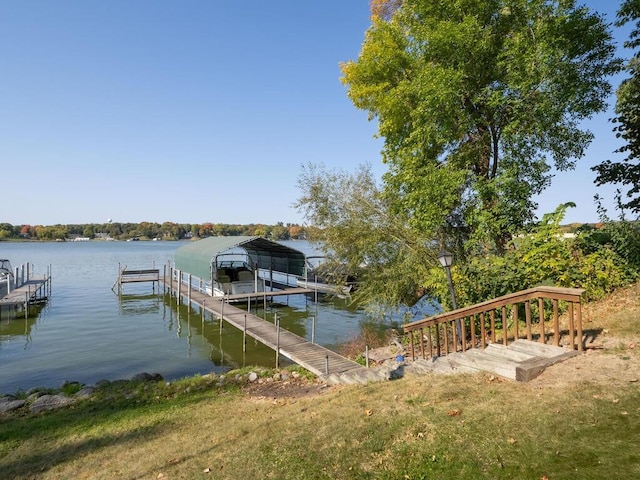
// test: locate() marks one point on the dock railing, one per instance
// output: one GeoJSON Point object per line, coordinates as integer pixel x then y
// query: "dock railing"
{"type": "Point", "coordinates": [500, 320]}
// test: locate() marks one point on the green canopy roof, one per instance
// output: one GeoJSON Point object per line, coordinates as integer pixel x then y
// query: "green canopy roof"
{"type": "Point", "coordinates": [196, 258]}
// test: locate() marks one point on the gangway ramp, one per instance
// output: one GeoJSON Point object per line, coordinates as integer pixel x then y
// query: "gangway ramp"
{"type": "Point", "coordinates": [311, 356]}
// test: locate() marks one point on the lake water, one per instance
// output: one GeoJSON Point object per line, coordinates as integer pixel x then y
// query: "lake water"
{"type": "Point", "coordinates": [86, 332]}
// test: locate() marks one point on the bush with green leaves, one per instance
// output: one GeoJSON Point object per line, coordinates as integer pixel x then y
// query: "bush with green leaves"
{"type": "Point", "coordinates": [545, 256]}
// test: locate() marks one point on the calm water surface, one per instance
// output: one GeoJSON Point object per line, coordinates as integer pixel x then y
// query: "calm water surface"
{"type": "Point", "coordinates": [87, 333]}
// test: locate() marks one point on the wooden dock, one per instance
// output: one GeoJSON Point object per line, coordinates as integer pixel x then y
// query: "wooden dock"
{"type": "Point", "coordinates": [315, 358]}
{"type": "Point", "coordinates": [31, 292]}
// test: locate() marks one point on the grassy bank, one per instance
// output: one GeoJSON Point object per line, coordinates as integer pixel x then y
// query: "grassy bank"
{"type": "Point", "coordinates": [579, 419]}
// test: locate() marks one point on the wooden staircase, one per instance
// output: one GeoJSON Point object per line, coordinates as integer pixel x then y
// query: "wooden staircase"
{"type": "Point", "coordinates": [521, 361]}
{"type": "Point", "coordinates": [488, 337]}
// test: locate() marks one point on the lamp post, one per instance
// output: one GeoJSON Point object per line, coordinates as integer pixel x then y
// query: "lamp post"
{"type": "Point", "coordinates": [446, 259]}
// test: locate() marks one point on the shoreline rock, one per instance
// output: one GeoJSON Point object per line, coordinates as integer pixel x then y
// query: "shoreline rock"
{"type": "Point", "coordinates": [40, 400]}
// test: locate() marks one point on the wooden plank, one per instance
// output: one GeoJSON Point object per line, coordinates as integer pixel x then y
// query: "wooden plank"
{"type": "Point", "coordinates": [480, 360]}
{"type": "Point", "coordinates": [507, 353]}
{"type": "Point", "coordinates": [542, 350]}
{"type": "Point", "coordinates": [531, 368]}
{"type": "Point", "coordinates": [27, 292]}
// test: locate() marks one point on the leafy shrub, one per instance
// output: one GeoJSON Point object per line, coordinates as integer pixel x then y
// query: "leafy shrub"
{"type": "Point", "coordinates": [594, 260]}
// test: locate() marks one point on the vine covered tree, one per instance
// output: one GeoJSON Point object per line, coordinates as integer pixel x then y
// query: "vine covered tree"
{"type": "Point", "coordinates": [476, 100]}
{"type": "Point", "coordinates": [627, 120]}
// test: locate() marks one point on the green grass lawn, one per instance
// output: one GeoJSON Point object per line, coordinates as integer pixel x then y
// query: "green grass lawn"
{"type": "Point", "coordinates": [578, 420]}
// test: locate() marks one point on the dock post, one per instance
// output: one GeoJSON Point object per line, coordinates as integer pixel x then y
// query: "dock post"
{"type": "Point", "coordinates": [244, 334]}
{"type": "Point", "coordinates": [221, 315]}
{"type": "Point", "coordinates": [326, 364]}
{"type": "Point", "coordinates": [203, 310]}
{"type": "Point", "coordinates": [189, 292]}
{"type": "Point", "coordinates": [313, 329]}
{"type": "Point", "coordinates": [315, 279]}
{"type": "Point", "coordinates": [277, 341]}
{"type": "Point", "coordinates": [366, 355]}
{"type": "Point", "coordinates": [179, 286]}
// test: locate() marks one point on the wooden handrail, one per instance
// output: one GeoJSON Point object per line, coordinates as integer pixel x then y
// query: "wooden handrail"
{"type": "Point", "coordinates": [461, 323]}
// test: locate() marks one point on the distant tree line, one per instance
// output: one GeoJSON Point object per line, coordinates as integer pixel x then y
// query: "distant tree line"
{"type": "Point", "coordinates": [148, 231]}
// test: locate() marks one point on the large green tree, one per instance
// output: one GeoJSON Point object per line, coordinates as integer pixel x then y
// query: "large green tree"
{"type": "Point", "coordinates": [476, 101]}
{"type": "Point", "coordinates": [627, 120]}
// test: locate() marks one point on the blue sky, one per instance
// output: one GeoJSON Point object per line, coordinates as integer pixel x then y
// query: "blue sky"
{"type": "Point", "coordinates": [193, 111]}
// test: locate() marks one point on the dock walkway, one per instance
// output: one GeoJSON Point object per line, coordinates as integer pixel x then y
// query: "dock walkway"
{"type": "Point", "coordinates": [31, 292]}
{"type": "Point", "coordinates": [315, 358]}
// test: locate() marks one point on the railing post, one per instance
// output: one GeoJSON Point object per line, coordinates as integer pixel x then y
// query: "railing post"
{"type": "Point", "coordinates": [541, 317]}
{"type": "Point", "coordinates": [505, 326]}
{"type": "Point", "coordinates": [556, 324]}
{"type": "Point", "coordinates": [527, 313]}
{"type": "Point", "coordinates": [492, 319]}
{"type": "Point", "coordinates": [464, 334]}
{"type": "Point", "coordinates": [413, 356]}
{"type": "Point", "coordinates": [571, 327]}
{"type": "Point", "coordinates": [579, 325]}
{"type": "Point", "coordinates": [446, 338]}
{"type": "Point", "coordinates": [456, 335]}
{"type": "Point", "coordinates": [366, 356]}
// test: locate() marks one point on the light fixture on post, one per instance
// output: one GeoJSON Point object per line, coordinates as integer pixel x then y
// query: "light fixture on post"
{"type": "Point", "coordinates": [446, 259]}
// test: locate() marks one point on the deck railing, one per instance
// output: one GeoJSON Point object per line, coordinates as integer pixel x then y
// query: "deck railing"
{"type": "Point", "coordinates": [499, 320]}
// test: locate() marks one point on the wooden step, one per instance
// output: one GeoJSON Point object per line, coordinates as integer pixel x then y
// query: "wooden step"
{"type": "Point", "coordinates": [542, 350]}
{"type": "Point", "coordinates": [482, 361]}
{"type": "Point", "coordinates": [500, 351]}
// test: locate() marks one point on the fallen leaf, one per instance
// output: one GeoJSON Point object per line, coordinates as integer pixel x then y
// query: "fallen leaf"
{"type": "Point", "coordinates": [206, 470]}
{"type": "Point", "coordinates": [632, 346]}
{"type": "Point", "coordinates": [616, 400]}
{"type": "Point", "coordinates": [512, 440]}
{"type": "Point", "coordinates": [624, 412]}
{"type": "Point", "coordinates": [544, 477]}
{"type": "Point", "coordinates": [368, 412]}
{"type": "Point", "coordinates": [454, 413]}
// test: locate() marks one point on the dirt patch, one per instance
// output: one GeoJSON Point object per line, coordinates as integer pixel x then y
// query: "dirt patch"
{"type": "Point", "coordinates": [612, 360]}
{"type": "Point", "coordinates": [269, 389]}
